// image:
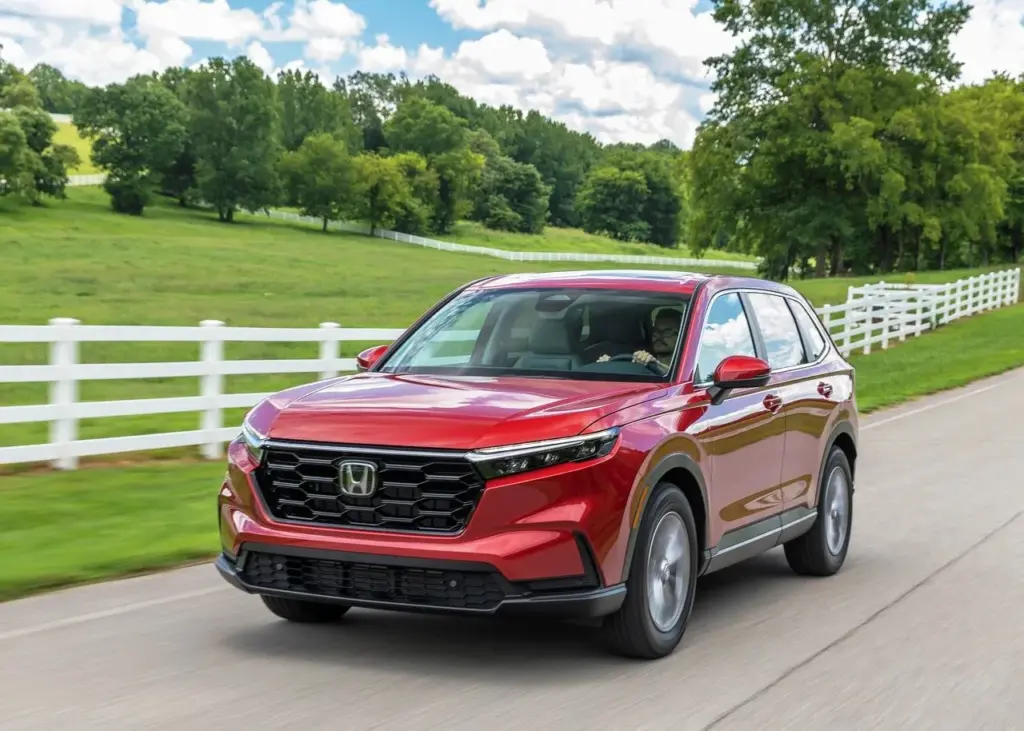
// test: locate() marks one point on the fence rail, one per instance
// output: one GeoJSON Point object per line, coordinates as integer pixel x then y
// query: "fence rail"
{"type": "Point", "coordinates": [873, 315]}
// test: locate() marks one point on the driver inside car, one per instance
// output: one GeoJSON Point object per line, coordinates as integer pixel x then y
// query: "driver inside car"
{"type": "Point", "coordinates": [663, 341]}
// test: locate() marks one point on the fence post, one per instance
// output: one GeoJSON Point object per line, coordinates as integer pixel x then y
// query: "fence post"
{"type": "Point", "coordinates": [886, 302]}
{"type": "Point", "coordinates": [330, 348]}
{"type": "Point", "coordinates": [1016, 287]}
{"type": "Point", "coordinates": [869, 316]}
{"type": "Point", "coordinates": [211, 385]}
{"type": "Point", "coordinates": [64, 391]}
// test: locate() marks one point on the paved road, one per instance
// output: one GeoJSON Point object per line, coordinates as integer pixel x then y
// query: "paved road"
{"type": "Point", "coordinates": [923, 629]}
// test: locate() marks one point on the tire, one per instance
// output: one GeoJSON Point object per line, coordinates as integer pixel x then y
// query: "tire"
{"type": "Point", "coordinates": [295, 610]}
{"type": "Point", "coordinates": [810, 554]}
{"type": "Point", "coordinates": [631, 631]}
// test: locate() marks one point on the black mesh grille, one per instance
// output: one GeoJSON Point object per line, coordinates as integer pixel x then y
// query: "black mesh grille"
{"type": "Point", "coordinates": [393, 584]}
{"type": "Point", "coordinates": [413, 493]}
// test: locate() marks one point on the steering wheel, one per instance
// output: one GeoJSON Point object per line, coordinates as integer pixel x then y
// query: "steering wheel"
{"type": "Point", "coordinates": [651, 365]}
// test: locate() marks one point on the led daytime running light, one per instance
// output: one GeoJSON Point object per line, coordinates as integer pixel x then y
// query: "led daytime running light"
{"type": "Point", "coordinates": [253, 442]}
{"type": "Point", "coordinates": [518, 458]}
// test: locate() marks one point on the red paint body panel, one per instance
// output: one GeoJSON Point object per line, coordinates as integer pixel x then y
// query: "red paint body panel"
{"type": "Point", "coordinates": [757, 453]}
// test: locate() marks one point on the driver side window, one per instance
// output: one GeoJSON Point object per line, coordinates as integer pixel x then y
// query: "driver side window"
{"type": "Point", "coordinates": [726, 332]}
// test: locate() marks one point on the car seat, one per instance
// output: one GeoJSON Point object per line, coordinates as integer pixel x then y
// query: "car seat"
{"type": "Point", "coordinates": [550, 349]}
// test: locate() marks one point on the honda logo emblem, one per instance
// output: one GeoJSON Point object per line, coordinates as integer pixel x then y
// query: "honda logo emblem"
{"type": "Point", "coordinates": [357, 479]}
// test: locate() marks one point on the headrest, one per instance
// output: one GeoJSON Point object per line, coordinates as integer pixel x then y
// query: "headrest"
{"type": "Point", "coordinates": [550, 337]}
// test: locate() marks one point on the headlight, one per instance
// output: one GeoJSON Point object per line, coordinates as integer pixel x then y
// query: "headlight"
{"type": "Point", "coordinates": [253, 442]}
{"type": "Point", "coordinates": [516, 458]}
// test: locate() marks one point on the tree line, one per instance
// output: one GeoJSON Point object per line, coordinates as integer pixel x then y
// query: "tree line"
{"type": "Point", "coordinates": [414, 156]}
{"type": "Point", "coordinates": [839, 142]}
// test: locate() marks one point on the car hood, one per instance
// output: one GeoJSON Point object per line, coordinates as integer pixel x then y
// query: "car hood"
{"type": "Point", "coordinates": [441, 413]}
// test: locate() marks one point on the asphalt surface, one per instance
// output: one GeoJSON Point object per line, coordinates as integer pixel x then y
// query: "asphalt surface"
{"type": "Point", "coordinates": [922, 629]}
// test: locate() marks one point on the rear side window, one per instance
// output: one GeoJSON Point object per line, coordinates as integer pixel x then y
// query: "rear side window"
{"type": "Point", "coordinates": [726, 332]}
{"type": "Point", "coordinates": [778, 329]}
{"type": "Point", "coordinates": [810, 326]}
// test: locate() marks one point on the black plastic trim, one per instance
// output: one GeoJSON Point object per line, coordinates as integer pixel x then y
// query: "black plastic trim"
{"type": "Point", "coordinates": [843, 427]}
{"type": "Point", "coordinates": [587, 604]}
{"type": "Point", "coordinates": [677, 460]}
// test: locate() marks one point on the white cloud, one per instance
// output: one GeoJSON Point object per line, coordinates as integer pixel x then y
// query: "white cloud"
{"type": "Point", "coordinates": [323, 19]}
{"type": "Point", "coordinates": [382, 56]}
{"type": "Point", "coordinates": [96, 12]}
{"type": "Point", "coordinates": [260, 56]}
{"type": "Point", "coordinates": [625, 70]}
{"type": "Point", "coordinates": [615, 100]}
{"type": "Point", "coordinates": [95, 58]}
{"type": "Point", "coordinates": [207, 20]}
{"type": "Point", "coordinates": [992, 39]}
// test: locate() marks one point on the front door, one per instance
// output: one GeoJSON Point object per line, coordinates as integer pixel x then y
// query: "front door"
{"type": "Point", "coordinates": [743, 438]}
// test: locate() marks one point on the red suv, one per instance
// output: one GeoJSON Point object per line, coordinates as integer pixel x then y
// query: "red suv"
{"type": "Point", "coordinates": [575, 444]}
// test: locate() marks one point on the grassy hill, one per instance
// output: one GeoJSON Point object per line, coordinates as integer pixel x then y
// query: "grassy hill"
{"type": "Point", "coordinates": [68, 135]}
{"type": "Point", "coordinates": [76, 258]}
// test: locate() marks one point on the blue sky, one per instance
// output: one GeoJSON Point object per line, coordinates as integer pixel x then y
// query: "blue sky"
{"type": "Point", "coordinates": [624, 70]}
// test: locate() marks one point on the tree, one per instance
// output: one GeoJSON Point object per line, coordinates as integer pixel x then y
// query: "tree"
{"type": "Point", "coordinates": [47, 164]}
{"type": "Point", "coordinates": [308, 108]}
{"type": "Point", "coordinates": [137, 128]}
{"type": "Point", "coordinates": [416, 211]}
{"type": "Point", "coordinates": [511, 197]}
{"type": "Point", "coordinates": [382, 191]}
{"type": "Point", "coordinates": [57, 93]}
{"type": "Point", "coordinates": [442, 139]}
{"type": "Point", "coordinates": [611, 202]}
{"type": "Point", "coordinates": [177, 178]}
{"type": "Point", "coordinates": [319, 177]}
{"type": "Point", "coordinates": [14, 154]}
{"type": "Point", "coordinates": [235, 131]}
{"type": "Point", "coordinates": [803, 104]}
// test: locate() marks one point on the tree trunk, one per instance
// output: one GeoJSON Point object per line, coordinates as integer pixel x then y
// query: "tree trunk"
{"type": "Point", "coordinates": [821, 260]}
{"type": "Point", "coordinates": [836, 265]}
{"type": "Point", "coordinates": [230, 217]}
{"type": "Point", "coordinates": [325, 224]}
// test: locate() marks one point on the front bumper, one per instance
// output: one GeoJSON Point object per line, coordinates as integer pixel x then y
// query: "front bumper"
{"type": "Point", "coordinates": [405, 584]}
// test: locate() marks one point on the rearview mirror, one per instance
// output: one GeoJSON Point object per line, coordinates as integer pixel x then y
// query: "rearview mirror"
{"type": "Point", "coordinates": [738, 371]}
{"type": "Point", "coordinates": [366, 360]}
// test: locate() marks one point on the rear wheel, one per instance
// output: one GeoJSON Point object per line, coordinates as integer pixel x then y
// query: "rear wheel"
{"type": "Point", "coordinates": [822, 550]}
{"type": "Point", "coordinates": [662, 580]}
{"type": "Point", "coordinates": [295, 610]}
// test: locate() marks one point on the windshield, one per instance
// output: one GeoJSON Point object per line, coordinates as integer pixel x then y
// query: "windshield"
{"type": "Point", "coordinates": [591, 334]}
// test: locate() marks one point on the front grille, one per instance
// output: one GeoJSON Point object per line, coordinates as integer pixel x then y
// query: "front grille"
{"type": "Point", "coordinates": [393, 584]}
{"type": "Point", "coordinates": [414, 493]}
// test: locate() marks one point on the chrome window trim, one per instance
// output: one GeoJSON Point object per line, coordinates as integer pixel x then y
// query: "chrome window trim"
{"type": "Point", "coordinates": [754, 290]}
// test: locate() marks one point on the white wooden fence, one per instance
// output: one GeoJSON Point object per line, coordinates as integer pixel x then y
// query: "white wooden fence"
{"type": "Point", "coordinates": [873, 315]}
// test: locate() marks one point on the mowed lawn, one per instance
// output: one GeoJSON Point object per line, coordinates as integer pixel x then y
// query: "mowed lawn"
{"type": "Point", "coordinates": [58, 529]}
{"type": "Point", "coordinates": [172, 266]}
{"type": "Point", "coordinates": [67, 134]}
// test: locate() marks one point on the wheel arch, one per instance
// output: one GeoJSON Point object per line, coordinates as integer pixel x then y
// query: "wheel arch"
{"type": "Point", "coordinates": [682, 471]}
{"type": "Point", "coordinates": [844, 437]}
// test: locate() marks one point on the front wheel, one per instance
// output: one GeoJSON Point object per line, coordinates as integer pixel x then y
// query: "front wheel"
{"type": "Point", "coordinates": [822, 550]}
{"type": "Point", "coordinates": [662, 580]}
{"type": "Point", "coordinates": [295, 610]}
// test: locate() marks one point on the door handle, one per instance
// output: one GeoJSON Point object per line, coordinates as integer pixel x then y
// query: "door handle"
{"type": "Point", "coordinates": [772, 402]}
{"type": "Point", "coordinates": [825, 389]}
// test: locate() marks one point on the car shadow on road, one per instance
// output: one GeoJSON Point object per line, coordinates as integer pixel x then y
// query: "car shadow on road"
{"type": "Point", "coordinates": [533, 651]}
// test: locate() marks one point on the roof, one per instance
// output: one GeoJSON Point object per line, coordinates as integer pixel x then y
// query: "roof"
{"type": "Point", "coordinates": [639, 279]}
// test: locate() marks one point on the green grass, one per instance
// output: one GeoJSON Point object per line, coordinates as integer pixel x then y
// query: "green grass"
{"type": "Point", "coordinates": [67, 134]}
{"type": "Point", "coordinates": [951, 356]}
{"type": "Point", "coordinates": [76, 258]}
{"type": "Point", "coordinates": [65, 528]}
{"type": "Point", "coordinates": [561, 240]}
{"type": "Point", "coordinates": [58, 529]}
